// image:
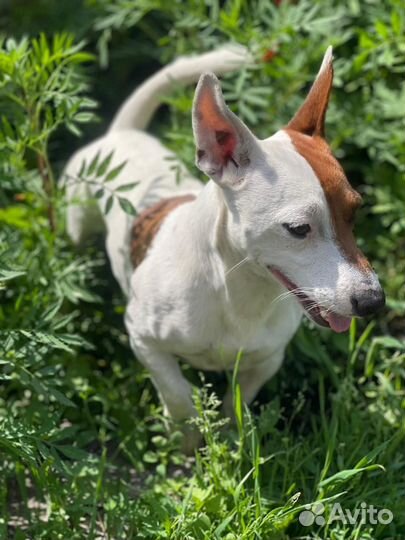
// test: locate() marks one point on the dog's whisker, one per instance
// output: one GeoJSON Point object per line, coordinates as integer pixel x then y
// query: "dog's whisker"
{"type": "Point", "coordinates": [329, 309]}
{"type": "Point", "coordinates": [237, 265]}
{"type": "Point", "coordinates": [311, 307]}
{"type": "Point", "coordinates": [291, 292]}
{"type": "Point", "coordinates": [283, 296]}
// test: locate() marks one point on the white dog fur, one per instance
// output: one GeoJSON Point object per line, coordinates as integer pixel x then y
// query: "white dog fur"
{"type": "Point", "coordinates": [214, 279]}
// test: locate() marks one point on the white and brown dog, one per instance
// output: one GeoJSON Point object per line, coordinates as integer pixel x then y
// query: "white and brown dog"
{"type": "Point", "coordinates": [233, 264]}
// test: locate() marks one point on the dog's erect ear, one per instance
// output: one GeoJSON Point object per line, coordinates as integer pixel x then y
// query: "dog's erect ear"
{"type": "Point", "coordinates": [223, 141]}
{"type": "Point", "coordinates": [310, 118]}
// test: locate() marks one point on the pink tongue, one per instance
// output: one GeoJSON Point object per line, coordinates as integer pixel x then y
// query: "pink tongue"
{"type": "Point", "coordinates": [338, 323]}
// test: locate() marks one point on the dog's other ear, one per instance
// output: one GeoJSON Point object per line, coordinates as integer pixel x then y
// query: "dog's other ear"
{"type": "Point", "coordinates": [310, 118]}
{"type": "Point", "coordinates": [223, 142]}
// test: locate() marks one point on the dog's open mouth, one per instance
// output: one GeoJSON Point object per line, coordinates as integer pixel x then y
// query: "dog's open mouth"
{"type": "Point", "coordinates": [317, 313]}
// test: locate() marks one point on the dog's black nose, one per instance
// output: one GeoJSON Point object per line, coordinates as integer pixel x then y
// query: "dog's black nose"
{"type": "Point", "coordinates": [368, 302]}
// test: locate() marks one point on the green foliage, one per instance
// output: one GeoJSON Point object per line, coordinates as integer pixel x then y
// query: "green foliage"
{"type": "Point", "coordinates": [98, 173]}
{"type": "Point", "coordinates": [84, 450]}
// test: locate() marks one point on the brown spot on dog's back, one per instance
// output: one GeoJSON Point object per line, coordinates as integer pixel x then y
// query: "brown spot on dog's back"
{"type": "Point", "coordinates": [342, 199]}
{"type": "Point", "coordinates": [148, 223]}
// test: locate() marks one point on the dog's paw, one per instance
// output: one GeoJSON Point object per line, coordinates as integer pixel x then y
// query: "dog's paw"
{"type": "Point", "coordinates": [191, 440]}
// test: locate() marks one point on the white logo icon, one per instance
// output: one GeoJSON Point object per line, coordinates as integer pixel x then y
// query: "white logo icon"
{"type": "Point", "coordinates": [312, 514]}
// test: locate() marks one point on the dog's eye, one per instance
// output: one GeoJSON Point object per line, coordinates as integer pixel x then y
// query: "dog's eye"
{"type": "Point", "coordinates": [298, 231]}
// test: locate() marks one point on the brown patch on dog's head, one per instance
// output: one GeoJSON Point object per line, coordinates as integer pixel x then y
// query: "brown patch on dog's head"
{"type": "Point", "coordinates": [342, 199]}
{"type": "Point", "coordinates": [307, 130]}
{"type": "Point", "coordinates": [148, 223]}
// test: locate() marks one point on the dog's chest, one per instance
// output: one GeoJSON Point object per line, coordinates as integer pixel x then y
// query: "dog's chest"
{"type": "Point", "coordinates": [257, 332]}
{"type": "Point", "coordinates": [192, 305]}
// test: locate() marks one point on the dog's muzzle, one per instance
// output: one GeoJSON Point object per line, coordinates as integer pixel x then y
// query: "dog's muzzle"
{"type": "Point", "coordinates": [317, 313]}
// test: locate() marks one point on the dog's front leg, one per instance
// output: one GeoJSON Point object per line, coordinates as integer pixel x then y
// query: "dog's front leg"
{"type": "Point", "coordinates": [174, 390]}
{"type": "Point", "coordinates": [251, 380]}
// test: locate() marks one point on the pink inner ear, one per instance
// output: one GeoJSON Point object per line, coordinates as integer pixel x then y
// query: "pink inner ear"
{"type": "Point", "coordinates": [226, 143]}
{"type": "Point", "coordinates": [212, 120]}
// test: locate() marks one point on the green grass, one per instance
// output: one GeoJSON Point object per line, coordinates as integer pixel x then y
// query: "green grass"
{"type": "Point", "coordinates": [109, 467]}
{"type": "Point", "coordinates": [85, 451]}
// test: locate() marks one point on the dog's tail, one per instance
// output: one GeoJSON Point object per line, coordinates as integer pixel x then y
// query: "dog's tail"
{"type": "Point", "coordinates": [138, 109]}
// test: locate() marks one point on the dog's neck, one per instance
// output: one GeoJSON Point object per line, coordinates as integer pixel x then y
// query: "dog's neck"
{"type": "Point", "coordinates": [244, 280]}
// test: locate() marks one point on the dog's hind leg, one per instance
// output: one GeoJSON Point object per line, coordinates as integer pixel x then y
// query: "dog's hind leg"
{"type": "Point", "coordinates": [251, 380]}
{"type": "Point", "coordinates": [83, 216]}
